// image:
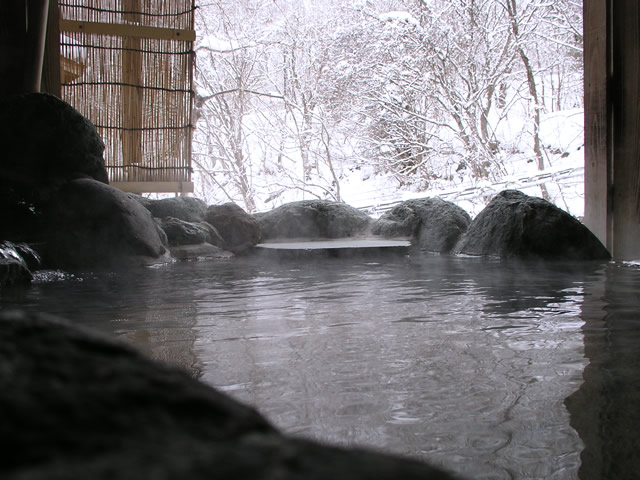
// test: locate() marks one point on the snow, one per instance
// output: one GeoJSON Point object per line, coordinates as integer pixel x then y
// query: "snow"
{"type": "Point", "coordinates": [72, 49]}
{"type": "Point", "coordinates": [398, 16]}
{"type": "Point", "coordinates": [221, 45]}
{"type": "Point", "coordinates": [270, 157]}
{"type": "Point", "coordinates": [374, 192]}
{"type": "Point", "coordinates": [564, 178]}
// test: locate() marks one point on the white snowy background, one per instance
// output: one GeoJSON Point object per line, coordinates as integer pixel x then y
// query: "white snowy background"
{"type": "Point", "coordinates": [375, 102]}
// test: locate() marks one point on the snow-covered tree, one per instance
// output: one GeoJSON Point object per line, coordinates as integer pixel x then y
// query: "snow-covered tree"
{"type": "Point", "coordinates": [293, 95]}
{"type": "Point", "coordinates": [227, 78]}
{"type": "Point", "coordinates": [424, 82]}
{"type": "Point", "coordinates": [538, 38]}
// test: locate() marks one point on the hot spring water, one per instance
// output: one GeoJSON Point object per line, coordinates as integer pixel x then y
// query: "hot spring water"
{"type": "Point", "coordinates": [491, 369]}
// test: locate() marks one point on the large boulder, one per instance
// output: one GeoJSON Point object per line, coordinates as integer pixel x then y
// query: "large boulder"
{"type": "Point", "coordinates": [434, 224]}
{"type": "Point", "coordinates": [187, 209]}
{"type": "Point", "coordinates": [78, 405]}
{"type": "Point", "coordinates": [45, 142]}
{"type": "Point", "coordinates": [180, 232]}
{"type": "Point", "coordinates": [239, 230]}
{"type": "Point", "coordinates": [91, 224]}
{"type": "Point", "coordinates": [313, 219]}
{"type": "Point", "coordinates": [516, 225]}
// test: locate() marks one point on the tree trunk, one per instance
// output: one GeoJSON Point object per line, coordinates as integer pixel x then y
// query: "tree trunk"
{"type": "Point", "coordinates": [531, 82]}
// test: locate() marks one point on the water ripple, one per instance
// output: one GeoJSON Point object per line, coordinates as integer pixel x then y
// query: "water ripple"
{"type": "Point", "coordinates": [461, 362]}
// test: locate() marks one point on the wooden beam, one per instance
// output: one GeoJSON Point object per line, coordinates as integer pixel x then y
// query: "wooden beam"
{"type": "Point", "coordinates": [132, 95]}
{"type": "Point", "coordinates": [612, 122]}
{"type": "Point", "coordinates": [625, 91]}
{"type": "Point", "coordinates": [154, 187]}
{"type": "Point", "coordinates": [51, 64]}
{"type": "Point", "coordinates": [22, 39]}
{"type": "Point", "coordinates": [128, 30]}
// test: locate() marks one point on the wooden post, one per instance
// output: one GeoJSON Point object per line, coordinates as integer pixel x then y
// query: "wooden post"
{"type": "Point", "coordinates": [131, 92]}
{"type": "Point", "coordinates": [51, 62]}
{"type": "Point", "coordinates": [612, 123]}
{"type": "Point", "coordinates": [597, 122]}
{"type": "Point", "coordinates": [22, 36]}
{"type": "Point", "coordinates": [625, 88]}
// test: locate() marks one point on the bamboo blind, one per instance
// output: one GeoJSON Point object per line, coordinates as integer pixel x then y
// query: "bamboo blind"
{"type": "Point", "coordinates": [127, 65]}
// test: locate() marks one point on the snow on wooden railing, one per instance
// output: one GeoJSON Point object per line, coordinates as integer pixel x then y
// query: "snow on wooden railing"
{"type": "Point", "coordinates": [484, 191]}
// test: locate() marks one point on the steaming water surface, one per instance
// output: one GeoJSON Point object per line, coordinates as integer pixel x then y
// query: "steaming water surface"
{"type": "Point", "coordinates": [461, 362]}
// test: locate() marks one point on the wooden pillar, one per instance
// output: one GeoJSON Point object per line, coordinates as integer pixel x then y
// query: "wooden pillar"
{"type": "Point", "coordinates": [51, 62]}
{"type": "Point", "coordinates": [22, 36]}
{"type": "Point", "coordinates": [625, 91]}
{"type": "Point", "coordinates": [612, 124]}
{"type": "Point", "coordinates": [597, 122]}
{"type": "Point", "coordinates": [132, 92]}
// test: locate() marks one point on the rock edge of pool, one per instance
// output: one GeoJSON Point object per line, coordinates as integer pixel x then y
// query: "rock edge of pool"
{"type": "Point", "coordinates": [77, 404]}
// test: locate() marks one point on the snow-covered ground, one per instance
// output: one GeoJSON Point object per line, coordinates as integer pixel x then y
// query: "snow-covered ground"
{"type": "Point", "coordinates": [361, 186]}
{"type": "Point", "coordinates": [563, 139]}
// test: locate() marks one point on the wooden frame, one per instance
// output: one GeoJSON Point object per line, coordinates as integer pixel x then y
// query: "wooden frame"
{"type": "Point", "coordinates": [612, 123]}
{"type": "Point", "coordinates": [127, 65]}
{"type": "Point", "coordinates": [125, 30]}
{"type": "Point", "coordinates": [597, 125]}
{"type": "Point", "coordinates": [156, 187]}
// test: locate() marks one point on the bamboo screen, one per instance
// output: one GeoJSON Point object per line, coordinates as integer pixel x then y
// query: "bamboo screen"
{"type": "Point", "coordinates": [127, 65]}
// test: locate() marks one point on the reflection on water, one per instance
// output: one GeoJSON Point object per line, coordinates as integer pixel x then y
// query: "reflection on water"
{"type": "Point", "coordinates": [605, 408]}
{"type": "Point", "coordinates": [462, 362]}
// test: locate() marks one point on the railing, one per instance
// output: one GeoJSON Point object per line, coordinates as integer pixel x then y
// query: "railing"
{"type": "Point", "coordinates": [485, 191]}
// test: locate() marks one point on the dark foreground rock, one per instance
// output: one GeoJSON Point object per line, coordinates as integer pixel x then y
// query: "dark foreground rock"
{"type": "Point", "coordinates": [315, 219]}
{"type": "Point", "coordinates": [76, 405]}
{"type": "Point", "coordinates": [434, 224]}
{"type": "Point", "coordinates": [91, 224]}
{"type": "Point", "coordinates": [21, 252]}
{"type": "Point", "coordinates": [17, 261]}
{"type": "Point", "coordinates": [516, 225]}
{"type": "Point", "coordinates": [46, 140]}
{"type": "Point", "coordinates": [45, 143]}
{"type": "Point", "coordinates": [239, 230]}
{"type": "Point", "coordinates": [14, 272]}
